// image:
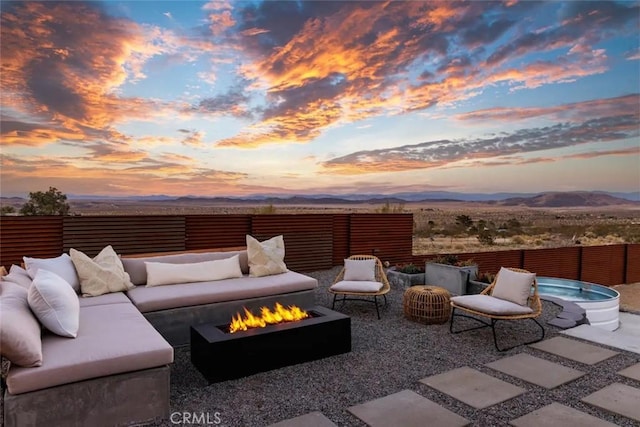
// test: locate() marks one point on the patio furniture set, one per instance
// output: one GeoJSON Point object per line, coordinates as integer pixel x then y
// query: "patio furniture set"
{"type": "Point", "coordinates": [87, 337]}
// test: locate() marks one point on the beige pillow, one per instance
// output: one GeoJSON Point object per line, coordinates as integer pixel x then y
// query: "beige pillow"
{"type": "Point", "coordinates": [102, 274]}
{"type": "Point", "coordinates": [267, 257]}
{"type": "Point", "coordinates": [159, 273]}
{"type": "Point", "coordinates": [514, 286]}
{"type": "Point", "coordinates": [360, 269]}
{"type": "Point", "coordinates": [19, 330]}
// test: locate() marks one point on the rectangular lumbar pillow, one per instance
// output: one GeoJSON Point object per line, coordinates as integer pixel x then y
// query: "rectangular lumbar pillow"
{"type": "Point", "coordinates": [102, 274]}
{"type": "Point", "coordinates": [19, 330]}
{"type": "Point", "coordinates": [514, 286]}
{"type": "Point", "coordinates": [159, 273]}
{"type": "Point", "coordinates": [54, 303]}
{"type": "Point", "coordinates": [267, 257]}
{"type": "Point", "coordinates": [62, 266]}
{"type": "Point", "coordinates": [360, 269]}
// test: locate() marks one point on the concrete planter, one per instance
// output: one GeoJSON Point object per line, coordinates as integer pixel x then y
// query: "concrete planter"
{"type": "Point", "coordinates": [452, 278]}
{"type": "Point", "coordinates": [404, 280]}
{"type": "Point", "coordinates": [475, 287]}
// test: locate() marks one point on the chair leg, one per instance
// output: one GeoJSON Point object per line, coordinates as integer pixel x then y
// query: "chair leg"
{"type": "Point", "coordinates": [495, 340]}
{"type": "Point", "coordinates": [334, 301]}
{"type": "Point", "coordinates": [375, 301]}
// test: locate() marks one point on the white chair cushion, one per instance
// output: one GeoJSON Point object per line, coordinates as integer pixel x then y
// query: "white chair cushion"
{"type": "Point", "coordinates": [490, 305]}
{"type": "Point", "coordinates": [360, 269]}
{"type": "Point", "coordinates": [159, 273]}
{"type": "Point", "coordinates": [54, 303]}
{"type": "Point", "coordinates": [356, 286]}
{"type": "Point", "coordinates": [62, 266]}
{"type": "Point", "coordinates": [513, 286]}
{"type": "Point", "coordinates": [267, 257]}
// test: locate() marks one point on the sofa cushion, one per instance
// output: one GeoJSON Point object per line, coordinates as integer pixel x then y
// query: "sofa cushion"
{"type": "Point", "coordinates": [159, 273]}
{"type": "Point", "coordinates": [138, 271]}
{"type": "Point", "coordinates": [54, 303]}
{"type": "Point", "coordinates": [112, 339]}
{"type": "Point", "coordinates": [62, 266]}
{"type": "Point", "coordinates": [357, 286]}
{"type": "Point", "coordinates": [19, 276]}
{"type": "Point", "coordinates": [19, 329]}
{"type": "Point", "coordinates": [191, 294]}
{"type": "Point", "coordinates": [490, 305]}
{"type": "Point", "coordinates": [267, 257]}
{"type": "Point", "coordinates": [102, 274]}
{"type": "Point", "coordinates": [111, 298]}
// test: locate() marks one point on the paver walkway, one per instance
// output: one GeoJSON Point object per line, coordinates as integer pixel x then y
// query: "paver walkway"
{"type": "Point", "coordinates": [479, 390]}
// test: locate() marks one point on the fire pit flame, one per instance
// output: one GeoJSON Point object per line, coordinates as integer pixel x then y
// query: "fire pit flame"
{"type": "Point", "coordinates": [266, 317]}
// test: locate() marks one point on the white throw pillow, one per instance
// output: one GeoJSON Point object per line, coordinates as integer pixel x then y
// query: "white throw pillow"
{"type": "Point", "coordinates": [360, 269]}
{"type": "Point", "coordinates": [19, 330]}
{"type": "Point", "coordinates": [19, 276]}
{"type": "Point", "coordinates": [54, 303]}
{"type": "Point", "coordinates": [356, 286]}
{"type": "Point", "coordinates": [159, 273]}
{"type": "Point", "coordinates": [514, 286]}
{"type": "Point", "coordinates": [267, 257]}
{"type": "Point", "coordinates": [102, 274]}
{"type": "Point", "coordinates": [62, 266]}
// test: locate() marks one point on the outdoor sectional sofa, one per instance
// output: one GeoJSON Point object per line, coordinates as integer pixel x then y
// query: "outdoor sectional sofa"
{"type": "Point", "coordinates": [116, 371]}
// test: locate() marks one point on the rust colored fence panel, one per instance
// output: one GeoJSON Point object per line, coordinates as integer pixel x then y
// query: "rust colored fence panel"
{"type": "Point", "coordinates": [554, 262]}
{"type": "Point", "coordinates": [632, 273]}
{"type": "Point", "coordinates": [387, 236]}
{"type": "Point", "coordinates": [603, 264]}
{"type": "Point", "coordinates": [35, 236]}
{"type": "Point", "coordinates": [341, 248]}
{"type": "Point", "coordinates": [217, 231]}
{"type": "Point", "coordinates": [308, 238]}
{"type": "Point", "coordinates": [127, 234]}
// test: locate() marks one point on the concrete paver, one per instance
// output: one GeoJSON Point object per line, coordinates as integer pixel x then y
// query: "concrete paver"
{"type": "Point", "coordinates": [473, 387]}
{"type": "Point", "coordinates": [312, 419]}
{"type": "Point", "coordinates": [406, 409]}
{"type": "Point", "coordinates": [556, 414]}
{"type": "Point", "coordinates": [617, 398]}
{"type": "Point", "coordinates": [575, 350]}
{"type": "Point", "coordinates": [632, 372]}
{"type": "Point", "coordinates": [535, 370]}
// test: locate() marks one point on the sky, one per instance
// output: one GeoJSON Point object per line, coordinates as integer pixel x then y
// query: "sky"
{"type": "Point", "coordinates": [237, 98]}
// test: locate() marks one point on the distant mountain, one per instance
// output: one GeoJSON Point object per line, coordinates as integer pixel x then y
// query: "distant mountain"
{"type": "Point", "coordinates": [566, 199]}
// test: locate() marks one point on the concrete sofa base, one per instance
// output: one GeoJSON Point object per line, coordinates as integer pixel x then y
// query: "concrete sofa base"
{"type": "Point", "coordinates": [174, 324]}
{"type": "Point", "coordinates": [133, 398]}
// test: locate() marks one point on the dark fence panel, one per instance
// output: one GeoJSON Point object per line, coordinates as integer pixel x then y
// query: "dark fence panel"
{"type": "Point", "coordinates": [217, 231]}
{"type": "Point", "coordinates": [603, 264]}
{"type": "Point", "coordinates": [37, 236]}
{"type": "Point", "coordinates": [632, 274]}
{"type": "Point", "coordinates": [341, 247]}
{"type": "Point", "coordinates": [554, 262]}
{"type": "Point", "coordinates": [308, 238]}
{"type": "Point", "coordinates": [127, 234]}
{"type": "Point", "coordinates": [388, 236]}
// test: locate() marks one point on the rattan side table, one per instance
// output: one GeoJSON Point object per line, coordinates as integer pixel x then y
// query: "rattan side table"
{"type": "Point", "coordinates": [427, 304]}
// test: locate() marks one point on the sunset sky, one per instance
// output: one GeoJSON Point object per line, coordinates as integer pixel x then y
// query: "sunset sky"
{"type": "Point", "coordinates": [235, 98]}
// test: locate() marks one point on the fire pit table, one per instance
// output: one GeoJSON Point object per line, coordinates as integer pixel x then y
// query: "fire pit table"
{"type": "Point", "coordinates": [220, 355]}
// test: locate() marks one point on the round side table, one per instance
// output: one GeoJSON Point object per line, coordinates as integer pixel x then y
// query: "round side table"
{"type": "Point", "coordinates": [427, 304]}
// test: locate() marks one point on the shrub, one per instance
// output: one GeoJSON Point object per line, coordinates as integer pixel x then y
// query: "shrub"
{"type": "Point", "coordinates": [451, 259]}
{"type": "Point", "coordinates": [409, 268]}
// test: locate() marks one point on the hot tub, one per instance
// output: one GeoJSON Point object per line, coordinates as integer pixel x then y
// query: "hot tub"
{"type": "Point", "coordinates": [602, 304]}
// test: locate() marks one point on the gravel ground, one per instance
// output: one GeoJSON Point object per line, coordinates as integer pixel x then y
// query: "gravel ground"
{"type": "Point", "coordinates": [388, 355]}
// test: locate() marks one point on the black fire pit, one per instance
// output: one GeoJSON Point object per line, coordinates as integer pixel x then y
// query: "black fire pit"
{"type": "Point", "coordinates": [222, 356]}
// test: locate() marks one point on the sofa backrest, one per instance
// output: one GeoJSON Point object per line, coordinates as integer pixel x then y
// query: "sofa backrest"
{"type": "Point", "coordinates": [138, 271]}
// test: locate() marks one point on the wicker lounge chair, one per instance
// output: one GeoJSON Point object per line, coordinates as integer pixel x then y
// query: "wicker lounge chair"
{"type": "Point", "coordinates": [515, 298]}
{"type": "Point", "coordinates": [361, 289]}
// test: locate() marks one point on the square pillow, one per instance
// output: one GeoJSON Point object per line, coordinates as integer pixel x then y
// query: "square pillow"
{"type": "Point", "coordinates": [267, 257]}
{"type": "Point", "coordinates": [360, 269]}
{"type": "Point", "coordinates": [102, 274]}
{"type": "Point", "coordinates": [19, 276]}
{"type": "Point", "coordinates": [54, 303]}
{"type": "Point", "coordinates": [62, 266]}
{"type": "Point", "coordinates": [159, 273]}
{"type": "Point", "coordinates": [514, 286]}
{"type": "Point", "coordinates": [20, 340]}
